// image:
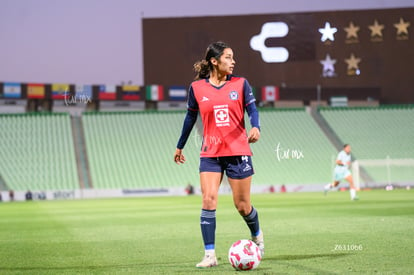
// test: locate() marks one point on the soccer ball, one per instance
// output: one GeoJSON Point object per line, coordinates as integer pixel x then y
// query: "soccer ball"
{"type": "Point", "coordinates": [244, 255]}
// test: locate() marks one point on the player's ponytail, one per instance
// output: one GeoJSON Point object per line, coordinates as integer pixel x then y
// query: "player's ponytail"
{"type": "Point", "coordinates": [204, 67]}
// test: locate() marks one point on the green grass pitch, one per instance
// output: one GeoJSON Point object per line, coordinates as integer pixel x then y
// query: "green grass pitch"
{"type": "Point", "coordinates": [304, 233]}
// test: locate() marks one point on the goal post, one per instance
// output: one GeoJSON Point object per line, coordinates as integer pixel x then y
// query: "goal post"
{"type": "Point", "coordinates": [383, 171]}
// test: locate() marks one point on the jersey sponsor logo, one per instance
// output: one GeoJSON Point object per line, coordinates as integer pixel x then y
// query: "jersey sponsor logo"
{"type": "Point", "coordinates": [233, 95]}
{"type": "Point", "coordinates": [204, 99]}
{"type": "Point", "coordinates": [221, 115]}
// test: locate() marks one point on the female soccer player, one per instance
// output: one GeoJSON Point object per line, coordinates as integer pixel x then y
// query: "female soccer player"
{"type": "Point", "coordinates": [221, 99]}
{"type": "Point", "coordinates": [343, 161]}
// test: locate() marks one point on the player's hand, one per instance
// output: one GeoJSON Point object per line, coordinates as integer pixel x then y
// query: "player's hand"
{"type": "Point", "coordinates": [254, 135]}
{"type": "Point", "coordinates": [178, 156]}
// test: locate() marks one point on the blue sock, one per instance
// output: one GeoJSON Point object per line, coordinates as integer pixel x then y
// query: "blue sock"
{"type": "Point", "coordinates": [252, 221]}
{"type": "Point", "coordinates": [208, 228]}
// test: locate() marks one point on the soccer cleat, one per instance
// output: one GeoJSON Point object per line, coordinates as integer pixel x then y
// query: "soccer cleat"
{"type": "Point", "coordinates": [355, 198]}
{"type": "Point", "coordinates": [209, 260]}
{"type": "Point", "coordinates": [259, 241]}
{"type": "Point", "coordinates": [326, 188]}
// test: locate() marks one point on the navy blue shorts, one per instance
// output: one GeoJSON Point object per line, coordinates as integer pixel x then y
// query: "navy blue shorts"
{"type": "Point", "coordinates": [236, 167]}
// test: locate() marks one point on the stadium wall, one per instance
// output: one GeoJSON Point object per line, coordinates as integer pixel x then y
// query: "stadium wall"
{"type": "Point", "coordinates": [77, 194]}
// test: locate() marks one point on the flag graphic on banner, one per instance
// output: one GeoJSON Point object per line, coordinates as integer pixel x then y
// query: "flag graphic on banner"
{"type": "Point", "coordinates": [35, 90]}
{"type": "Point", "coordinates": [130, 92]}
{"type": "Point", "coordinates": [270, 93]}
{"type": "Point", "coordinates": [60, 91]}
{"type": "Point", "coordinates": [83, 93]}
{"type": "Point", "coordinates": [177, 93]}
{"type": "Point", "coordinates": [154, 92]}
{"type": "Point", "coordinates": [107, 92]}
{"type": "Point", "coordinates": [12, 90]}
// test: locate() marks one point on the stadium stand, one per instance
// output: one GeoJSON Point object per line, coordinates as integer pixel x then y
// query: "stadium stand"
{"type": "Point", "coordinates": [292, 149]}
{"type": "Point", "coordinates": [376, 133]}
{"type": "Point", "coordinates": [37, 152]}
{"type": "Point", "coordinates": [135, 150]}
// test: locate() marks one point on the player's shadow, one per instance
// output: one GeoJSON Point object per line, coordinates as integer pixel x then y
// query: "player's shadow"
{"type": "Point", "coordinates": [307, 256]}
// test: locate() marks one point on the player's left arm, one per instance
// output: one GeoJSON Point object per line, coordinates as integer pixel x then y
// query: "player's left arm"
{"type": "Point", "coordinates": [250, 105]}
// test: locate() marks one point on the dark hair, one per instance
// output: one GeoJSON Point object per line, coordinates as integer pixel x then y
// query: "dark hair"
{"type": "Point", "coordinates": [204, 67]}
{"type": "Point", "coordinates": [345, 145]}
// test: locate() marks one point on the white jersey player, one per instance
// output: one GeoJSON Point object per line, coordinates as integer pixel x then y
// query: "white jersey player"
{"type": "Point", "coordinates": [342, 171]}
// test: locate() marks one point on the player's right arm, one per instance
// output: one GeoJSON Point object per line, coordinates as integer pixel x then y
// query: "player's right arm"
{"type": "Point", "coordinates": [189, 121]}
{"type": "Point", "coordinates": [178, 156]}
{"type": "Point", "coordinates": [339, 162]}
{"type": "Point", "coordinates": [341, 159]}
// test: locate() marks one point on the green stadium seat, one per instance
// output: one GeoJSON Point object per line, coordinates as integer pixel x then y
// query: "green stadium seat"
{"type": "Point", "coordinates": [37, 152]}
{"type": "Point", "coordinates": [135, 150]}
{"type": "Point", "coordinates": [309, 153]}
{"type": "Point", "coordinates": [376, 133]}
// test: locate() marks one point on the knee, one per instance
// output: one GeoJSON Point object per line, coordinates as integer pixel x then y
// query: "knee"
{"type": "Point", "coordinates": [243, 208]}
{"type": "Point", "coordinates": [209, 202]}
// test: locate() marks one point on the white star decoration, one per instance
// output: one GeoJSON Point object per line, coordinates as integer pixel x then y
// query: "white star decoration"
{"type": "Point", "coordinates": [327, 32]}
{"type": "Point", "coordinates": [328, 66]}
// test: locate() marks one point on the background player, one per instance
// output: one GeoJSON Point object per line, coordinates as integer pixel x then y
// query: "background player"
{"type": "Point", "coordinates": [343, 162]}
{"type": "Point", "coordinates": [221, 99]}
